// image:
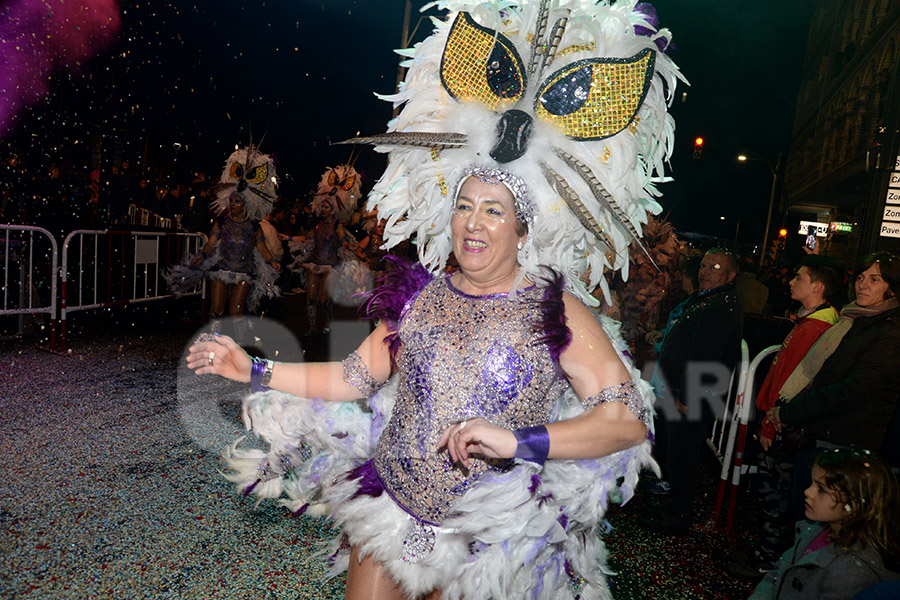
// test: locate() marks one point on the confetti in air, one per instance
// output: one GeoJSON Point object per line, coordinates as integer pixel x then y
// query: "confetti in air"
{"type": "Point", "coordinates": [37, 37]}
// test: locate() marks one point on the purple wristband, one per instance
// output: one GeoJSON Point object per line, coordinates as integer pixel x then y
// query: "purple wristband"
{"type": "Point", "coordinates": [533, 444]}
{"type": "Point", "coordinates": [256, 374]}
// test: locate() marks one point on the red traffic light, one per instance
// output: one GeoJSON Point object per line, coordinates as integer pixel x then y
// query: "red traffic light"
{"type": "Point", "coordinates": [698, 141]}
{"type": "Point", "coordinates": [782, 233]}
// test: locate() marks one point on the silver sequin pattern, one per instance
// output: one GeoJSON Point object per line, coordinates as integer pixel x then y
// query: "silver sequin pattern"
{"type": "Point", "coordinates": [462, 357]}
{"type": "Point", "coordinates": [356, 373]}
{"type": "Point", "coordinates": [627, 393]}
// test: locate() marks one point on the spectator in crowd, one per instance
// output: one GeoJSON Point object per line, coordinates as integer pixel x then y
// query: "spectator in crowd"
{"type": "Point", "coordinates": [852, 506]}
{"type": "Point", "coordinates": [698, 352]}
{"type": "Point", "coordinates": [816, 282]}
{"type": "Point", "coordinates": [752, 293]}
{"type": "Point", "coordinates": [845, 390]}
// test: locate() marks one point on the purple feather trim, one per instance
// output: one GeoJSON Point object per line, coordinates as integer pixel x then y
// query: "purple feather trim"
{"type": "Point", "coordinates": [563, 521]}
{"type": "Point", "coordinates": [648, 11]}
{"type": "Point", "coordinates": [300, 510]}
{"type": "Point", "coordinates": [251, 487]}
{"type": "Point", "coordinates": [557, 334]}
{"type": "Point", "coordinates": [392, 295]}
{"type": "Point", "coordinates": [369, 481]}
{"type": "Point", "coordinates": [395, 289]}
{"type": "Point", "coordinates": [535, 484]}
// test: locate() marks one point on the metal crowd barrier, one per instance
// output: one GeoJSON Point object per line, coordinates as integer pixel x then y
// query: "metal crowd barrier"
{"type": "Point", "coordinates": [144, 217]}
{"type": "Point", "coordinates": [733, 462]}
{"type": "Point", "coordinates": [28, 261]}
{"type": "Point", "coordinates": [105, 268]}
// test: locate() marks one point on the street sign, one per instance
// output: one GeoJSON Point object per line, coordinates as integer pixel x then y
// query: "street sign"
{"type": "Point", "coordinates": [891, 213]}
{"type": "Point", "coordinates": [821, 228]}
{"type": "Point", "coordinates": [893, 196]}
{"type": "Point", "coordinates": [890, 229]}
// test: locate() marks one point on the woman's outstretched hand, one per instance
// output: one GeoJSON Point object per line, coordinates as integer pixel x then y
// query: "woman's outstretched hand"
{"type": "Point", "coordinates": [477, 437]}
{"type": "Point", "coordinates": [221, 356]}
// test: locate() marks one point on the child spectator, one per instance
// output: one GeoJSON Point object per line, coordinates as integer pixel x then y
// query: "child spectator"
{"type": "Point", "coordinates": [854, 504]}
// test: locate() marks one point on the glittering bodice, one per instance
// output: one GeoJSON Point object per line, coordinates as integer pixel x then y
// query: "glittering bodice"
{"type": "Point", "coordinates": [238, 240]}
{"type": "Point", "coordinates": [462, 356]}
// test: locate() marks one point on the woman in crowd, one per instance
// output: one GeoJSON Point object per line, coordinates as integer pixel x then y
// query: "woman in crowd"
{"type": "Point", "coordinates": [849, 377]}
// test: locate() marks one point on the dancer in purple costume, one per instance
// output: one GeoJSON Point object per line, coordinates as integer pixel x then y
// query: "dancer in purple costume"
{"type": "Point", "coordinates": [237, 238]}
{"type": "Point", "coordinates": [481, 372]}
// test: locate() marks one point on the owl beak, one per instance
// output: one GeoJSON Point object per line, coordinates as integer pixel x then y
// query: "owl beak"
{"type": "Point", "coordinates": [513, 133]}
{"type": "Point", "coordinates": [242, 185]}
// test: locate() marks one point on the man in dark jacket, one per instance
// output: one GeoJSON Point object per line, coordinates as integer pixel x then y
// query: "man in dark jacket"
{"type": "Point", "coordinates": [695, 362]}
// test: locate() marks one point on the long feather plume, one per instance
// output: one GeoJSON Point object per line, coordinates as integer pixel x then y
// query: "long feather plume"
{"type": "Point", "coordinates": [556, 34]}
{"type": "Point", "coordinates": [577, 207]}
{"type": "Point", "coordinates": [604, 198]}
{"type": "Point", "coordinates": [421, 139]}
{"type": "Point", "coordinates": [537, 41]}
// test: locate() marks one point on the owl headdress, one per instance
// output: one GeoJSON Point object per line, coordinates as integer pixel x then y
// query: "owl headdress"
{"type": "Point", "coordinates": [252, 175]}
{"type": "Point", "coordinates": [339, 187]}
{"type": "Point", "coordinates": [568, 96]}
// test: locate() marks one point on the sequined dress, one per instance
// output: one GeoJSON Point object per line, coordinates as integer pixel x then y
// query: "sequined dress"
{"type": "Point", "coordinates": [235, 260]}
{"type": "Point", "coordinates": [461, 357]}
{"type": "Point", "coordinates": [504, 529]}
{"type": "Point", "coordinates": [237, 245]}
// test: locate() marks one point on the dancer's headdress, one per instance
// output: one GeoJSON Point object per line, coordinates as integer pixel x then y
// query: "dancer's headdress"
{"type": "Point", "coordinates": [339, 187]}
{"type": "Point", "coordinates": [252, 175]}
{"type": "Point", "coordinates": [583, 123]}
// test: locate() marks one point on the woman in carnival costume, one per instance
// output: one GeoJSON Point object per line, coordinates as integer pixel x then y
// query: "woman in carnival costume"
{"type": "Point", "coordinates": [240, 268]}
{"type": "Point", "coordinates": [501, 414]}
{"type": "Point", "coordinates": [334, 203]}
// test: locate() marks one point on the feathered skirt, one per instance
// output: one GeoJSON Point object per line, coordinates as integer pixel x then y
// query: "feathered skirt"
{"type": "Point", "coordinates": [526, 533]}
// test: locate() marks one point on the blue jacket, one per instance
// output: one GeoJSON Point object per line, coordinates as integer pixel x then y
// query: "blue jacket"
{"type": "Point", "coordinates": [829, 573]}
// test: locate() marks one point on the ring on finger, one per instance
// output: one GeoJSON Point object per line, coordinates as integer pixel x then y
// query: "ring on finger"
{"type": "Point", "coordinates": [462, 425]}
{"type": "Point", "coordinates": [212, 356]}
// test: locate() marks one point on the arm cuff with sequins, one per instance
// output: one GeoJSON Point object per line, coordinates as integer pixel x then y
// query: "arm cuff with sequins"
{"type": "Point", "coordinates": [627, 393]}
{"type": "Point", "coordinates": [356, 373]}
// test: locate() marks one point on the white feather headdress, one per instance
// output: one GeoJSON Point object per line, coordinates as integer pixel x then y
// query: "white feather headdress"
{"type": "Point", "coordinates": [340, 187]}
{"type": "Point", "coordinates": [252, 175]}
{"type": "Point", "coordinates": [569, 95]}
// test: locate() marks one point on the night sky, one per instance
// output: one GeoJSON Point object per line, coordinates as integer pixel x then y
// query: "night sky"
{"type": "Point", "coordinates": [183, 83]}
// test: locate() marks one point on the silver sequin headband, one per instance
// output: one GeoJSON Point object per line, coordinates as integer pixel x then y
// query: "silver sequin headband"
{"type": "Point", "coordinates": [524, 207]}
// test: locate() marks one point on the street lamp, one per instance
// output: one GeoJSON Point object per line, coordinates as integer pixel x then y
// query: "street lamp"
{"type": "Point", "coordinates": [774, 170]}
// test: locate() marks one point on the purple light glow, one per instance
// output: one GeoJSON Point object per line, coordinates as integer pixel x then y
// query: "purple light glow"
{"type": "Point", "coordinates": [39, 36]}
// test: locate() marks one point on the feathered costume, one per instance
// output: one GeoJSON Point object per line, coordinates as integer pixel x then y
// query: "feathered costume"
{"type": "Point", "coordinates": [235, 259]}
{"type": "Point", "coordinates": [322, 251]}
{"type": "Point", "coordinates": [583, 124]}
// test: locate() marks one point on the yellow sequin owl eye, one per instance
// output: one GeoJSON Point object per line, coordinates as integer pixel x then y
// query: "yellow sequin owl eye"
{"type": "Point", "coordinates": [481, 65]}
{"type": "Point", "coordinates": [348, 183]}
{"type": "Point", "coordinates": [257, 175]}
{"type": "Point", "coordinates": [237, 171]}
{"type": "Point", "coordinates": [332, 178]}
{"type": "Point", "coordinates": [596, 98]}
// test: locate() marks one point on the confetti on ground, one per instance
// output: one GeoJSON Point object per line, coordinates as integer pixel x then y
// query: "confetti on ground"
{"type": "Point", "coordinates": [109, 462]}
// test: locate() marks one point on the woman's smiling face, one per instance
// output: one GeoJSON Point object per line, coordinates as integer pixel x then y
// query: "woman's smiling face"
{"type": "Point", "coordinates": [871, 288]}
{"type": "Point", "coordinates": [484, 229]}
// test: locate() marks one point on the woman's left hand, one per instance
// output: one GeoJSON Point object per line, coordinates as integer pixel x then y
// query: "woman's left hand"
{"type": "Point", "coordinates": [477, 436]}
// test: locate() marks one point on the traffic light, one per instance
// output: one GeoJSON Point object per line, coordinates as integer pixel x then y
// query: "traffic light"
{"type": "Point", "coordinates": [782, 238]}
{"type": "Point", "coordinates": [698, 147]}
{"type": "Point", "coordinates": [778, 244]}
